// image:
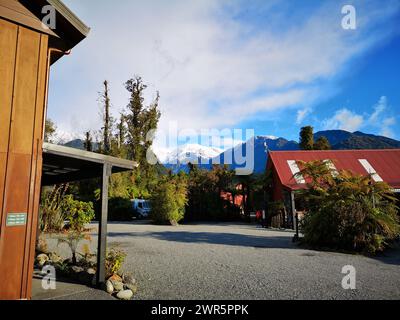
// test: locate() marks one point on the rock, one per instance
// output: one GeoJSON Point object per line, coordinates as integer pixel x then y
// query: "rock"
{"type": "Point", "coordinates": [128, 279]}
{"type": "Point", "coordinates": [115, 277]}
{"type": "Point", "coordinates": [132, 287]}
{"type": "Point", "coordinates": [42, 259]}
{"type": "Point", "coordinates": [118, 285]}
{"type": "Point", "coordinates": [91, 271]}
{"type": "Point", "coordinates": [130, 283]}
{"type": "Point", "coordinates": [109, 287]}
{"type": "Point", "coordinates": [77, 269]}
{"type": "Point", "coordinates": [55, 258]}
{"type": "Point", "coordinates": [125, 295]}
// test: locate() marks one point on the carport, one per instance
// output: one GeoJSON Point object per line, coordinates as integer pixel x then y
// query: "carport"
{"type": "Point", "coordinates": [63, 164]}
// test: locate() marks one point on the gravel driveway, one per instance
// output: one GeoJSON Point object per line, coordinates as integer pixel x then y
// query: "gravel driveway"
{"type": "Point", "coordinates": [239, 261]}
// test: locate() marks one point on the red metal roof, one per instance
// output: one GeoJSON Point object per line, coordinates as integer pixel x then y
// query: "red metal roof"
{"type": "Point", "coordinates": [385, 162]}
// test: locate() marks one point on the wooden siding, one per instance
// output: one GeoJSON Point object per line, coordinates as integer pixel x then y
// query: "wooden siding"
{"type": "Point", "coordinates": [24, 68]}
{"type": "Point", "coordinates": [14, 11]}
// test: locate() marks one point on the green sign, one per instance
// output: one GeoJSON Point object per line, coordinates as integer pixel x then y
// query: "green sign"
{"type": "Point", "coordinates": [16, 219]}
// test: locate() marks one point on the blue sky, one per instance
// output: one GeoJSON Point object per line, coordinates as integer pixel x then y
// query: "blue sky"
{"type": "Point", "coordinates": [272, 66]}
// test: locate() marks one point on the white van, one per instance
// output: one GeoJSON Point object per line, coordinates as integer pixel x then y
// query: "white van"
{"type": "Point", "coordinates": [141, 208]}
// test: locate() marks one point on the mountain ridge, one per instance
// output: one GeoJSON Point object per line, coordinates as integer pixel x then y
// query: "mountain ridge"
{"type": "Point", "coordinates": [178, 158]}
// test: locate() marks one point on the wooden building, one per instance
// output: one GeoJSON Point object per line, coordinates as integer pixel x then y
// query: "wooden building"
{"type": "Point", "coordinates": [27, 49]}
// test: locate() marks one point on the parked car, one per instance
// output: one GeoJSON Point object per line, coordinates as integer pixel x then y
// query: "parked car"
{"type": "Point", "coordinates": [141, 208]}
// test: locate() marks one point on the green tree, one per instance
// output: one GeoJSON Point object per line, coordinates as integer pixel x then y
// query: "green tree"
{"type": "Point", "coordinates": [88, 143]}
{"type": "Point", "coordinates": [78, 213]}
{"type": "Point", "coordinates": [140, 120]}
{"type": "Point", "coordinates": [125, 138]}
{"type": "Point", "coordinates": [307, 138]}
{"type": "Point", "coordinates": [107, 120]}
{"type": "Point", "coordinates": [119, 147]}
{"type": "Point", "coordinates": [49, 131]}
{"type": "Point", "coordinates": [322, 143]}
{"type": "Point", "coordinates": [135, 118]}
{"type": "Point", "coordinates": [169, 199]}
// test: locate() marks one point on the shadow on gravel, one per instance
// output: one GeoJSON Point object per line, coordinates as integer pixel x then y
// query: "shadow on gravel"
{"type": "Point", "coordinates": [390, 256]}
{"type": "Point", "coordinates": [231, 239]}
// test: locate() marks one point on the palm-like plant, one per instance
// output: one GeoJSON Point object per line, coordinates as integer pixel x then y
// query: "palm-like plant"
{"type": "Point", "coordinates": [347, 210]}
{"type": "Point", "coordinates": [51, 217]}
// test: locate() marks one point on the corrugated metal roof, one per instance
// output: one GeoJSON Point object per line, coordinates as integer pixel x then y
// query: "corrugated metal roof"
{"type": "Point", "coordinates": [386, 163]}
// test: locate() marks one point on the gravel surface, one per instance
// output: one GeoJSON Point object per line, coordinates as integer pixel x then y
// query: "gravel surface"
{"type": "Point", "coordinates": [239, 261]}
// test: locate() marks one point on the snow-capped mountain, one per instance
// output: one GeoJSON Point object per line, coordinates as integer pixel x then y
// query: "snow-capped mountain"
{"type": "Point", "coordinates": [258, 146]}
{"type": "Point", "coordinates": [187, 153]}
{"type": "Point", "coordinates": [178, 158]}
{"type": "Point", "coordinates": [267, 137]}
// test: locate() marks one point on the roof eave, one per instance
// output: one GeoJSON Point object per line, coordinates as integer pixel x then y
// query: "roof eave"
{"type": "Point", "coordinates": [88, 156]}
{"type": "Point", "coordinates": [69, 28]}
{"type": "Point", "coordinates": [77, 23]}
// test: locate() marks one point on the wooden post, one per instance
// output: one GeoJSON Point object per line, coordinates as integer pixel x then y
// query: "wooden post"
{"type": "Point", "coordinates": [294, 214]}
{"type": "Point", "coordinates": [102, 236]}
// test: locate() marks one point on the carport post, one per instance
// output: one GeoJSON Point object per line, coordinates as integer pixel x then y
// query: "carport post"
{"type": "Point", "coordinates": [102, 236]}
{"type": "Point", "coordinates": [295, 214]}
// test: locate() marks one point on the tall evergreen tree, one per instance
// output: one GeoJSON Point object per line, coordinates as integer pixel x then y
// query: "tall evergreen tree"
{"type": "Point", "coordinates": [322, 143]}
{"type": "Point", "coordinates": [121, 134]}
{"type": "Point", "coordinates": [307, 138]}
{"type": "Point", "coordinates": [134, 118]}
{"type": "Point", "coordinates": [140, 120]}
{"type": "Point", "coordinates": [88, 143]}
{"type": "Point", "coordinates": [49, 131]}
{"type": "Point", "coordinates": [107, 121]}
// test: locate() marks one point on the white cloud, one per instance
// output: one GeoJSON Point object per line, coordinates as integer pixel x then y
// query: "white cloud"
{"type": "Point", "coordinates": [378, 109]}
{"type": "Point", "coordinates": [302, 114]}
{"type": "Point", "coordinates": [344, 119]}
{"type": "Point", "coordinates": [348, 120]}
{"type": "Point", "coordinates": [379, 118]}
{"type": "Point", "coordinates": [207, 65]}
{"type": "Point", "coordinates": [386, 129]}
{"type": "Point", "coordinates": [389, 121]}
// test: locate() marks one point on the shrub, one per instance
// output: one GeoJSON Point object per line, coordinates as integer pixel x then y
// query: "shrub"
{"type": "Point", "coordinates": [77, 212]}
{"type": "Point", "coordinates": [114, 260]}
{"type": "Point", "coordinates": [72, 239]}
{"type": "Point", "coordinates": [169, 199]}
{"type": "Point", "coordinates": [348, 211]}
{"type": "Point", "coordinates": [51, 217]}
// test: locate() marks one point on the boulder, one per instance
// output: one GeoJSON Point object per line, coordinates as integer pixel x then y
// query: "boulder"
{"type": "Point", "coordinates": [118, 285]}
{"type": "Point", "coordinates": [132, 287]}
{"type": "Point", "coordinates": [130, 283]}
{"type": "Point", "coordinates": [125, 295]}
{"type": "Point", "coordinates": [77, 269]}
{"type": "Point", "coordinates": [109, 287]}
{"type": "Point", "coordinates": [91, 271]}
{"type": "Point", "coordinates": [41, 259]}
{"type": "Point", "coordinates": [128, 279]}
{"type": "Point", "coordinates": [115, 277]}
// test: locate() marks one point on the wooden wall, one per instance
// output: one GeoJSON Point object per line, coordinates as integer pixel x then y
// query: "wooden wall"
{"type": "Point", "coordinates": [23, 88]}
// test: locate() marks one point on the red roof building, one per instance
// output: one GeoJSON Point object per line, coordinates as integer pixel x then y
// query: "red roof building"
{"type": "Point", "coordinates": [382, 165]}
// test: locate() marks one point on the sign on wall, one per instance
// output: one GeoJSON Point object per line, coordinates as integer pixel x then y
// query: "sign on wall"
{"type": "Point", "coordinates": [16, 219]}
